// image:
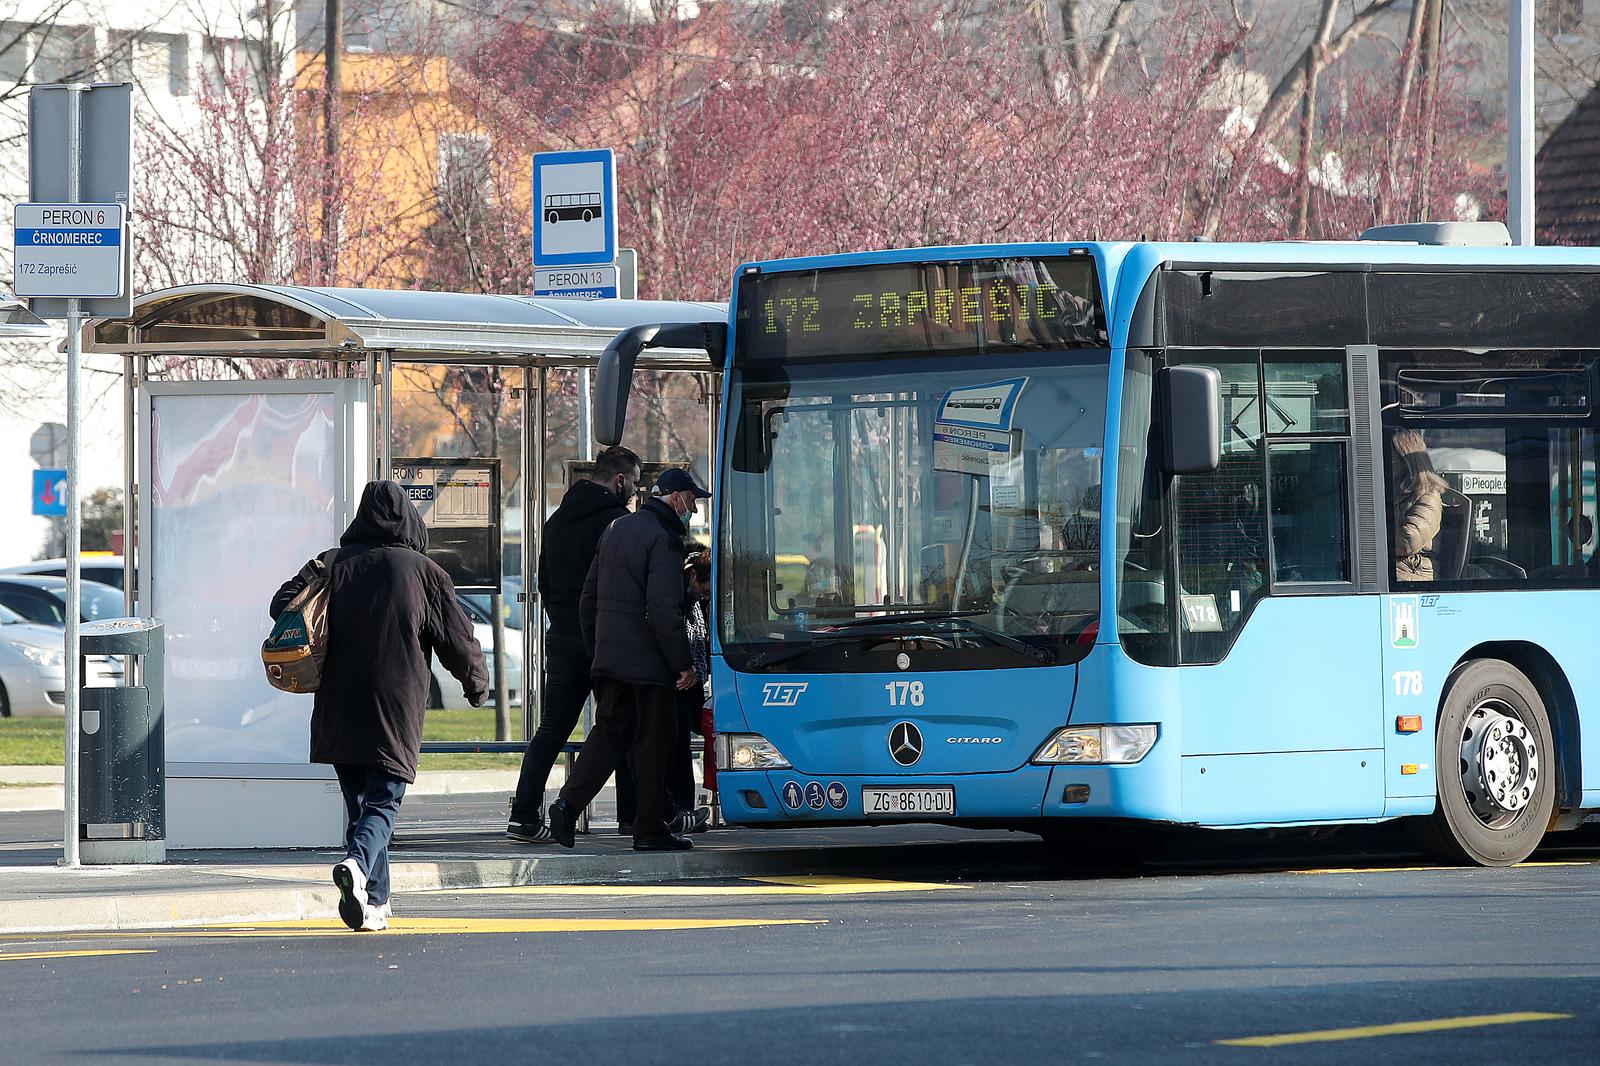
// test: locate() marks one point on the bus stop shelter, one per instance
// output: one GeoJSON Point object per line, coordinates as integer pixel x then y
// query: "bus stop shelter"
{"type": "Point", "coordinates": [253, 415]}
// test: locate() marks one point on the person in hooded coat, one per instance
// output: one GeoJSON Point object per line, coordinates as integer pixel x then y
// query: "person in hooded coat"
{"type": "Point", "coordinates": [390, 607]}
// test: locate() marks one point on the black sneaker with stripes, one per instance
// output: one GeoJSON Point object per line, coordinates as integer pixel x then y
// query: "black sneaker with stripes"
{"type": "Point", "coordinates": [695, 821]}
{"type": "Point", "coordinates": [529, 832]}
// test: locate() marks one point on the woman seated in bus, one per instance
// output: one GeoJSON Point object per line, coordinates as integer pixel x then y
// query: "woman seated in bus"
{"type": "Point", "coordinates": [1419, 506]}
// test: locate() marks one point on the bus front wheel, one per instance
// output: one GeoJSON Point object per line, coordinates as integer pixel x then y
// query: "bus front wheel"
{"type": "Point", "coordinates": [551, 217]}
{"type": "Point", "coordinates": [1496, 768]}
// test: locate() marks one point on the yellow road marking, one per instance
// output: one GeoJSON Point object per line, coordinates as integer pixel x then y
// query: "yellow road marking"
{"type": "Point", "coordinates": [19, 955]}
{"type": "Point", "coordinates": [1425, 869]}
{"type": "Point", "coordinates": [306, 927]}
{"type": "Point", "coordinates": [765, 886]}
{"type": "Point", "coordinates": [1471, 1021]}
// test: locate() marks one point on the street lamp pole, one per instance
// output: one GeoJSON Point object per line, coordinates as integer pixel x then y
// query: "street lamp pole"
{"type": "Point", "coordinates": [1519, 148]}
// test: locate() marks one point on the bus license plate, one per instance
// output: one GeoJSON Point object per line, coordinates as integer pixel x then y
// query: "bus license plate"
{"type": "Point", "coordinates": [907, 802]}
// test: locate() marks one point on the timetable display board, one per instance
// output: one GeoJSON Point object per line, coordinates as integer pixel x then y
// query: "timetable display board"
{"type": "Point", "coordinates": [459, 500]}
{"type": "Point", "coordinates": [958, 307]}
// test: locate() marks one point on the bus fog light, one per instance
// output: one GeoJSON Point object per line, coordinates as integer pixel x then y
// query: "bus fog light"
{"type": "Point", "coordinates": [748, 751]}
{"type": "Point", "coordinates": [1098, 744]}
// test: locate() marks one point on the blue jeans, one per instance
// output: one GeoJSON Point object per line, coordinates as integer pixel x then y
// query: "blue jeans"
{"type": "Point", "coordinates": [371, 801]}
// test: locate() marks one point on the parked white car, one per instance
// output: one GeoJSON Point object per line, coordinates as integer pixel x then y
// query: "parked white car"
{"type": "Point", "coordinates": [106, 569]}
{"type": "Point", "coordinates": [445, 693]}
{"type": "Point", "coordinates": [33, 668]}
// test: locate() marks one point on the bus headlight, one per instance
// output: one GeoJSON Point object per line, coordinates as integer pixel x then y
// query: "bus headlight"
{"type": "Point", "coordinates": [1098, 744]}
{"type": "Point", "coordinates": [748, 751]}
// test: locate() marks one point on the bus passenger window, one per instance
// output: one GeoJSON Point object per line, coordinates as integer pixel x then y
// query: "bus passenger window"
{"type": "Point", "coordinates": [1491, 477]}
{"type": "Point", "coordinates": [1310, 497]}
{"type": "Point", "coordinates": [1428, 522]}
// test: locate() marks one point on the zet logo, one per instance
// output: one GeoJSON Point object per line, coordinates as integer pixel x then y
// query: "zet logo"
{"type": "Point", "coordinates": [1405, 621]}
{"type": "Point", "coordinates": [782, 693]}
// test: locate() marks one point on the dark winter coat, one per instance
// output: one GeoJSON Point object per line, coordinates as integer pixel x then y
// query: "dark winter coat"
{"type": "Point", "coordinates": [566, 550]}
{"type": "Point", "coordinates": [391, 607]}
{"type": "Point", "coordinates": [632, 605]}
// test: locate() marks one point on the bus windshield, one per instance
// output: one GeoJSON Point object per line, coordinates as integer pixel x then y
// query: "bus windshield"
{"type": "Point", "coordinates": [935, 501]}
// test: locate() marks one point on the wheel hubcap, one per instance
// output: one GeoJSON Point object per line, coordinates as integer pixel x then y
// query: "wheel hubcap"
{"type": "Point", "coordinates": [1499, 763]}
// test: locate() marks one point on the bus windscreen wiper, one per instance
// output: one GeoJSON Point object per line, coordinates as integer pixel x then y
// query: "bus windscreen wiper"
{"type": "Point", "coordinates": [961, 620]}
{"type": "Point", "coordinates": [783, 655]}
{"type": "Point", "coordinates": [904, 616]}
{"type": "Point", "coordinates": [834, 633]}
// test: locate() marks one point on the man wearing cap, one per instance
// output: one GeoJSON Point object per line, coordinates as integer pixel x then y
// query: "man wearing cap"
{"type": "Point", "coordinates": [633, 623]}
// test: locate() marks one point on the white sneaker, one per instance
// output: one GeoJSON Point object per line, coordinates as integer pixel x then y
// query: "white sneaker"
{"type": "Point", "coordinates": [352, 885]}
{"type": "Point", "coordinates": [374, 919]}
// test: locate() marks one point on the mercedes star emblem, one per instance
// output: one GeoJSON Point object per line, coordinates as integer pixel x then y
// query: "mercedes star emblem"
{"type": "Point", "coordinates": [905, 743]}
{"type": "Point", "coordinates": [903, 661]}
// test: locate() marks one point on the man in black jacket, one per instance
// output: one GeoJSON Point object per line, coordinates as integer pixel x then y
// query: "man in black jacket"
{"type": "Point", "coordinates": [389, 608]}
{"type": "Point", "coordinates": [566, 549]}
{"type": "Point", "coordinates": [632, 614]}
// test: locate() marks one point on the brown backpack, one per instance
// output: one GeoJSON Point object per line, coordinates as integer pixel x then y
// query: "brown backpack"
{"type": "Point", "coordinates": [294, 651]}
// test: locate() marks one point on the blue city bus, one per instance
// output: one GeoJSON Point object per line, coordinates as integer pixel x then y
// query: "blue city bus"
{"type": "Point", "coordinates": [1078, 537]}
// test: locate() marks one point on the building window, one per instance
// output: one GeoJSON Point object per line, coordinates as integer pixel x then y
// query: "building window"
{"type": "Point", "coordinates": [14, 46]}
{"type": "Point", "coordinates": [230, 60]}
{"type": "Point", "coordinates": [464, 161]}
{"type": "Point", "coordinates": [64, 53]}
{"type": "Point", "coordinates": [156, 62]}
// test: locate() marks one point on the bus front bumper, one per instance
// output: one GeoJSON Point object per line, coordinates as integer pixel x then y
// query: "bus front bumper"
{"type": "Point", "coordinates": [789, 797]}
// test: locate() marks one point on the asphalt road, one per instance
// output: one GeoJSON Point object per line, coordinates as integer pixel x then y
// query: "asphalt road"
{"type": "Point", "coordinates": [1494, 965]}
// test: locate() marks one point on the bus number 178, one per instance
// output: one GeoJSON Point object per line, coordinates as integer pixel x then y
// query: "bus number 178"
{"type": "Point", "coordinates": [904, 692]}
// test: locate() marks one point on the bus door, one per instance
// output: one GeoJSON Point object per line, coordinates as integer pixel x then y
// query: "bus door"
{"type": "Point", "coordinates": [1281, 680]}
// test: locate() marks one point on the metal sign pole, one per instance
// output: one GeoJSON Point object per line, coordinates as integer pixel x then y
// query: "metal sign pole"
{"type": "Point", "coordinates": [69, 841]}
{"type": "Point", "coordinates": [1519, 125]}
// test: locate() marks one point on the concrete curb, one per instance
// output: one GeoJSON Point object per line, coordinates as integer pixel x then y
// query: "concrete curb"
{"type": "Point", "coordinates": [305, 893]}
{"type": "Point", "coordinates": [31, 775]}
{"type": "Point", "coordinates": [33, 798]}
{"type": "Point", "coordinates": [167, 910]}
{"type": "Point", "coordinates": [44, 791]}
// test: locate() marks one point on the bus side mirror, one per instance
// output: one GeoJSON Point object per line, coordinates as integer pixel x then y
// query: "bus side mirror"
{"type": "Point", "coordinates": [613, 378]}
{"type": "Point", "coordinates": [1190, 399]}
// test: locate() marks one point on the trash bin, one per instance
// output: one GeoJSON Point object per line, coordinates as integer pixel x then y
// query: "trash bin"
{"type": "Point", "coordinates": [122, 758]}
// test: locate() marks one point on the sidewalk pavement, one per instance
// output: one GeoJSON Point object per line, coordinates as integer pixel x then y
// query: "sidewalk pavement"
{"type": "Point", "coordinates": [447, 842]}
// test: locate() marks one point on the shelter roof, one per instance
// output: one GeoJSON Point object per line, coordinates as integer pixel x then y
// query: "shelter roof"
{"type": "Point", "coordinates": [297, 322]}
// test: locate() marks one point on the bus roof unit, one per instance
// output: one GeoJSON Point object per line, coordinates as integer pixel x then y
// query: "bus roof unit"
{"type": "Point", "coordinates": [1458, 234]}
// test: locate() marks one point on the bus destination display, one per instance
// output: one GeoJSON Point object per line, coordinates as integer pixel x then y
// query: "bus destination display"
{"type": "Point", "coordinates": [963, 306]}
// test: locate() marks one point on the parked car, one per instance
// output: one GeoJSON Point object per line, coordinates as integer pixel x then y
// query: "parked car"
{"type": "Point", "coordinates": [106, 569]}
{"type": "Point", "coordinates": [43, 600]}
{"type": "Point", "coordinates": [33, 668]}
{"type": "Point", "coordinates": [444, 691]}
{"type": "Point", "coordinates": [478, 604]}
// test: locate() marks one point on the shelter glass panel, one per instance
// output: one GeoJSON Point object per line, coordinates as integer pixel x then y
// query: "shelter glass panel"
{"type": "Point", "coordinates": [469, 413]}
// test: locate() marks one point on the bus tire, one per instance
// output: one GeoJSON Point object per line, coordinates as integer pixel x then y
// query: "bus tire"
{"type": "Point", "coordinates": [552, 218]}
{"type": "Point", "coordinates": [1496, 768]}
{"type": "Point", "coordinates": [588, 216]}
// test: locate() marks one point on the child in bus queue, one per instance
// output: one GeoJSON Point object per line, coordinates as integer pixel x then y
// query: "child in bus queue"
{"type": "Point", "coordinates": [692, 702]}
